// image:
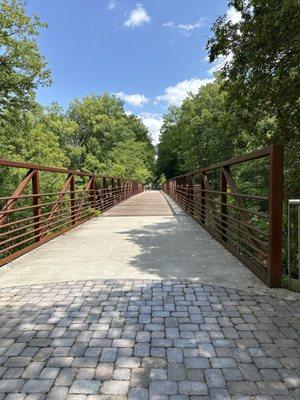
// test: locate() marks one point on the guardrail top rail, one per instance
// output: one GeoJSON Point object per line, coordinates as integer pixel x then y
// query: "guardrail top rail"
{"type": "Point", "coordinates": [39, 203]}
{"type": "Point", "coordinates": [247, 224]}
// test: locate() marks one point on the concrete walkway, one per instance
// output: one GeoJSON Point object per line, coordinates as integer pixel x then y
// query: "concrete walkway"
{"type": "Point", "coordinates": [153, 241]}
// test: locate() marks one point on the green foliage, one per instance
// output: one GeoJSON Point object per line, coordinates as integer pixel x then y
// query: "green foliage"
{"type": "Point", "coordinates": [162, 179]}
{"type": "Point", "coordinates": [129, 160]}
{"type": "Point", "coordinates": [102, 126]}
{"type": "Point", "coordinates": [195, 134]}
{"type": "Point", "coordinates": [262, 76]}
{"type": "Point", "coordinates": [31, 141]}
{"type": "Point", "coordinates": [94, 134]}
{"type": "Point", "coordinates": [22, 67]}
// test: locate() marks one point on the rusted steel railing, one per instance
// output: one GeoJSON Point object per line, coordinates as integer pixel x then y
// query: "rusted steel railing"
{"type": "Point", "coordinates": [247, 224]}
{"type": "Point", "coordinates": [47, 201]}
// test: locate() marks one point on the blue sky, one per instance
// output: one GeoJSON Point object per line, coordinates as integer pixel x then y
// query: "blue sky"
{"type": "Point", "coordinates": [150, 53]}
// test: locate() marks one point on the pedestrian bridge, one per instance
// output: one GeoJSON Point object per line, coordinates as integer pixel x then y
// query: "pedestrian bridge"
{"type": "Point", "coordinates": [244, 215]}
{"type": "Point", "coordinates": [108, 292]}
{"type": "Point", "coordinates": [147, 236]}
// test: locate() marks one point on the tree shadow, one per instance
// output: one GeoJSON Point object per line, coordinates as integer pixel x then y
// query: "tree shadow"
{"type": "Point", "coordinates": [178, 248]}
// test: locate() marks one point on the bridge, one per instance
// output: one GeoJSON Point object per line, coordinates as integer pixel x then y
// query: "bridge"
{"type": "Point", "coordinates": [112, 292]}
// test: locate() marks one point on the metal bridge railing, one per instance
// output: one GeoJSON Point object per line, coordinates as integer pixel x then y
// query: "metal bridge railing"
{"type": "Point", "coordinates": [294, 284]}
{"type": "Point", "coordinates": [47, 201]}
{"type": "Point", "coordinates": [248, 222]}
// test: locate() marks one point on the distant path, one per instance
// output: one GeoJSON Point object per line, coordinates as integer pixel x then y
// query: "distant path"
{"type": "Point", "coordinates": [144, 204]}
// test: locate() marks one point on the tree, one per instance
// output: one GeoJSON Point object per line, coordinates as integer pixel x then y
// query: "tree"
{"type": "Point", "coordinates": [169, 160]}
{"type": "Point", "coordinates": [196, 134]}
{"type": "Point", "coordinates": [128, 160]}
{"type": "Point", "coordinates": [22, 68]}
{"type": "Point", "coordinates": [30, 140]}
{"type": "Point", "coordinates": [103, 129]}
{"type": "Point", "coordinates": [262, 75]}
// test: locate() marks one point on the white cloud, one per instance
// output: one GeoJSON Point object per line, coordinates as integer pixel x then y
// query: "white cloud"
{"type": "Point", "coordinates": [170, 24]}
{"type": "Point", "coordinates": [137, 100]}
{"type": "Point", "coordinates": [174, 95]}
{"type": "Point", "coordinates": [137, 17]}
{"type": "Point", "coordinates": [233, 16]}
{"type": "Point", "coordinates": [186, 29]}
{"type": "Point", "coordinates": [220, 63]}
{"type": "Point", "coordinates": [153, 122]}
{"type": "Point", "coordinates": [112, 4]}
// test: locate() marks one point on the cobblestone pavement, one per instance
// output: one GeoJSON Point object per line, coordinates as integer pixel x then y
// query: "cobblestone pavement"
{"type": "Point", "coordinates": [96, 340]}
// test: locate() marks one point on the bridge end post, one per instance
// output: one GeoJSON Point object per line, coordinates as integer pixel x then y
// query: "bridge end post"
{"type": "Point", "coordinates": [275, 215]}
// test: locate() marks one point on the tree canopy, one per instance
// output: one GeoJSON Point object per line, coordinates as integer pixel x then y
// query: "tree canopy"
{"type": "Point", "coordinates": [262, 73]}
{"type": "Point", "coordinates": [22, 67]}
{"type": "Point", "coordinates": [195, 134]}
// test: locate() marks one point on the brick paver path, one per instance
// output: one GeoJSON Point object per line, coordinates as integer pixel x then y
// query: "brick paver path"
{"type": "Point", "coordinates": [96, 340]}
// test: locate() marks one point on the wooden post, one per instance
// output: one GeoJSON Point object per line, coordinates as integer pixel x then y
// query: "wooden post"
{"type": "Point", "coordinates": [275, 215]}
{"type": "Point", "coordinates": [223, 189]}
{"type": "Point", "coordinates": [36, 201]}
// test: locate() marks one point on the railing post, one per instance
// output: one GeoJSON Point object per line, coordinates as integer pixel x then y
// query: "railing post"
{"type": "Point", "coordinates": [223, 190]}
{"type": "Point", "coordinates": [113, 192]}
{"type": "Point", "coordinates": [119, 193]}
{"type": "Point", "coordinates": [275, 215]}
{"type": "Point", "coordinates": [191, 195]}
{"type": "Point", "coordinates": [94, 193]}
{"type": "Point", "coordinates": [105, 187]}
{"type": "Point", "coordinates": [120, 189]}
{"type": "Point", "coordinates": [37, 205]}
{"type": "Point", "coordinates": [73, 200]}
{"type": "Point", "coordinates": [202, 197]}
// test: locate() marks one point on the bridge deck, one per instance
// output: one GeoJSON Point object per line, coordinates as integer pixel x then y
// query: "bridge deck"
{"type": "Point", "coordinates": [143, 307]}
{"type": "Point", "coordinates": [141, 238]}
